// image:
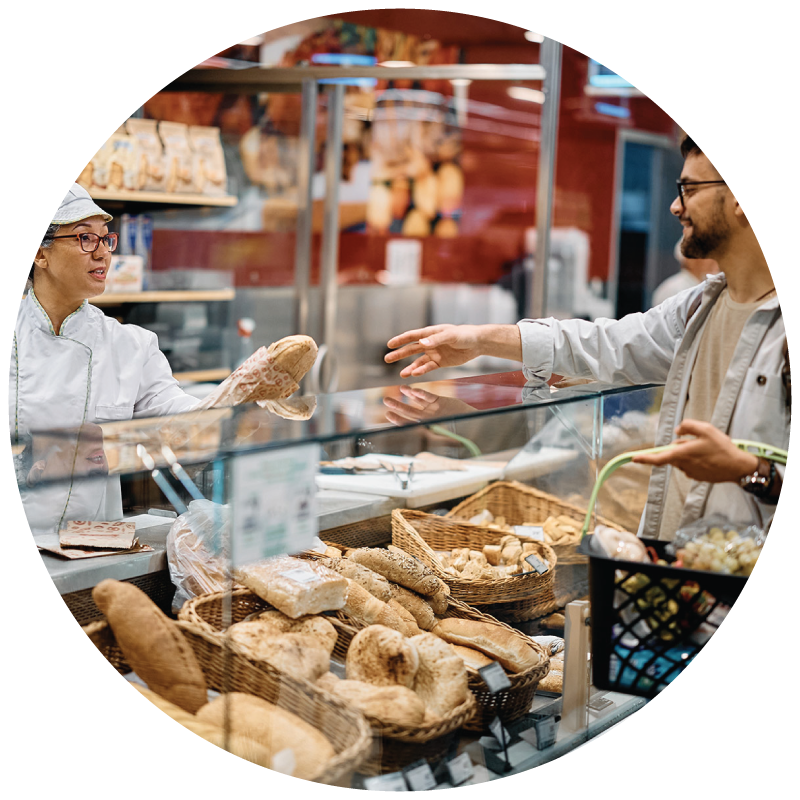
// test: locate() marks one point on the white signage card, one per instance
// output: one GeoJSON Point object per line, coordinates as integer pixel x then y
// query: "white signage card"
{"type": "Point", "coordinates": [460, 769]}
{"type": "Point", "coordinates": [495, 678]}
{"type": "Point", "coordinates": [419, 776]}
{"type": "Point", "coordinates": [535, 532]}
{"type": "Point", "coordinates": [537, 563]}
{"type": "Point", "coordinates": [403, 261]}
{"type": "Point", "coordinates": [274, 502]}
{"type": "Point", "coordinates": [499, 732]}
{"type": "Point", "coordinates": [393, 782]}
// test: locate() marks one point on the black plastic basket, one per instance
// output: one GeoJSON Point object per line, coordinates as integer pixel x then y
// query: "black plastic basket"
{"type": "Point", "coordinates": [649, 621]}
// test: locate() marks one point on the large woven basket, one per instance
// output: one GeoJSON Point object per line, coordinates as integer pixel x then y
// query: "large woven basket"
{"type": "Point", "coordinates": [394, 746]}
{"type": "Point", "coordinates": [516, 598]}
{"type": "Point", "coordinates": [230, 671]}
{"type": "Point", "coordinates": [519, 504]}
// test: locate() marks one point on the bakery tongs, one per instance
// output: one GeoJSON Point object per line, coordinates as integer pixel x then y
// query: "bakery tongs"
{"type": "Point", "coordinates": [160, 480]}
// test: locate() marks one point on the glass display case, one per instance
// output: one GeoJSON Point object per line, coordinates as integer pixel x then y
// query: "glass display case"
{"type": "Point", "coordinates": [375, 468]}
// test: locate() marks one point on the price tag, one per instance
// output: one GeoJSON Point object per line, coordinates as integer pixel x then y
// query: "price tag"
{"type": "Point", "coordinates": [535, 532]}
{"type": "Point", "coordinates": [419, 776]}
{"type": "Point", "coordinates": [393, 782]}
{"type": "Point", "coordinates": [495, 678]}
{"type": "Point", "coordinates": [537, 563]}
{"type": "Point", "coordinates": [499, 732]}
{"type": "Point", "coordinates": [460, 769]}
{"type": "Point", "coordinates": [300, 575]}
{"type": "Point", "coordinates": [274, 503]}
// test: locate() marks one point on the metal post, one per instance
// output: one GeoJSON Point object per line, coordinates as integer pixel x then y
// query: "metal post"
{"type": "Point", "coordinates": [330, 234]}
{"type": "Point", "coordinates": [305, 171]}
{"type": "Point", "coordinates": [550, 59]}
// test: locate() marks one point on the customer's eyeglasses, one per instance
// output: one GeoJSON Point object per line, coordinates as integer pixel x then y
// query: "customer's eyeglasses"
{"type": "Point", "coordinates": [682, 185]}
{"type": "Point", "coordinates": [89, 242]}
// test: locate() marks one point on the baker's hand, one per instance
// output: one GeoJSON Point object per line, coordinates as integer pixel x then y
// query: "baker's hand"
{"type": "Point", "coordinates": [422, 405]}
{"type": "Point", "coordinates": [452, 345]}
{"type": "Point", "coordinates": [709, 456]}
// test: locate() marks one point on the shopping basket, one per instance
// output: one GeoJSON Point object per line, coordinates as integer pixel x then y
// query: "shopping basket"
{"type": "Point", "coordinates": [649, 620]}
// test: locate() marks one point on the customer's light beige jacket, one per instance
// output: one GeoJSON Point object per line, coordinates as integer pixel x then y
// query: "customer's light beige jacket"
{"type": "Point", "coordinates": [660, 347]}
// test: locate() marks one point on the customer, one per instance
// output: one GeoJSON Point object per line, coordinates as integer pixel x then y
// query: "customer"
{"type": "Point", "coordinates": [719, 348]}
{"type": "Point", "coordinates": [692, 271]}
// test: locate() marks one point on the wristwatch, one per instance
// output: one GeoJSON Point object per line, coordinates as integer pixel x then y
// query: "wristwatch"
{"type": "Point", "coordinates": [760, 482]}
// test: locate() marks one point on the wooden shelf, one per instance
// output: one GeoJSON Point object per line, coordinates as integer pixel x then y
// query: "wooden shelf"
{"type": "Point", "coordinates": [167, 198]}
{"type": "Point", "coordinates": [171, 296]}
{"type": "Point", "coordinates": [200, 375]}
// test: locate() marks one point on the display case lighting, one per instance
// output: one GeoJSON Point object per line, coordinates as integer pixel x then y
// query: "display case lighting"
{"type": "Point", "coordinates": [523, 93]}
{"type": "Point", "coordinates": [531, 36]}
{"type": "Point", "coordinates": [397, 64]}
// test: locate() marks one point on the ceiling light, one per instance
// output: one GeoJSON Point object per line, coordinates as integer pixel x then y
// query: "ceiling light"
{"type": "Point", "coordinates": [534, 37]}
{"type": "Point", "coordinates": [397, 64]}
{"type": "Point", "coordinates": [523, 93]}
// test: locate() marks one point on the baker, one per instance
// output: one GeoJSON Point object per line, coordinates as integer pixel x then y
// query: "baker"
{"type": "Point", "coordinates": [718, 348]}
{"type": "Point", "coordinates": [70, 363]}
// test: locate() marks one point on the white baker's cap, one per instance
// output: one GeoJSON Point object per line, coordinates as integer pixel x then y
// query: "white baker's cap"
{"type": "Point", "coordinates": [78, 205]}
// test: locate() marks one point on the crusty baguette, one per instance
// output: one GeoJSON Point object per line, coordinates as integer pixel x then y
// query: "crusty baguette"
{"type": "Point", "coordinates": [152, 644]}
{"type": "Point", "coordinates": [416, 606]}
{"type": "Point", "coordinates": [368, 610]}
{"type": "Point", "coordinates": [374, 583]}
{"type": "Point", "coordinates": [398, 568]}
{"type": "Point", "coordinates": [471, 657]}
{"type": "Point", "coordinates": [502, 645]}
{"type": "Point", "coordinates": [411, 627]}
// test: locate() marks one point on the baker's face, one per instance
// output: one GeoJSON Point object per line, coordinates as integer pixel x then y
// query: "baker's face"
{"type": "Point", "coordinates": [706, 210]}
{"type": "Point", "coordinates": [75, 273]}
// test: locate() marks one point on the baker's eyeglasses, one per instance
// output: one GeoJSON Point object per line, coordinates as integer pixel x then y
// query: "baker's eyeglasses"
{"type": "Point", "coordinates": [89, 242]}
{"type": "Point", "coordinates": [683, 185]}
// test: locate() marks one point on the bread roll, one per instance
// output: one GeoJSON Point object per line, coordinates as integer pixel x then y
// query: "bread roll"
{"type": "Point", "coordinates": [441, 680]}
{"type": "Point", "coordinates": [552, 682]}
{"type": "Point", "coordinates": [317, 627]}
{"type": "Point", "coordinates": [333, 552]}
{"type": "Point", "coordinates": [396, 705]}
{"type": "Point", "coordinates": [471, 657]}
{"type": "Point", "coordinates": [410, 627]}
{"type": "Point", "coordinates": [274, 728]}
{"type": "Point", "coordinates": [297, 654]}
{"type": "Point", "coordinates": [374, 583]}
{"type": "Point", "coordinates": [294, 354]}
{"type": "Point", "coordinates": [368, 610]}
{"type": "Point", "coordinates": [383, 657]}
{"type": "Point", "coordinates": [152, 644]}
{"type": "Point", "coordinates": [295, 586]}
{"type": "Point", "coordinates": [241, 746]}
{"type": "Point", "coordinates": [398, 568]}
{"type": "Point", "coordinates": [420, 610]}
{"type": "Point", "coordinates": [492, 553]}
{"type": "Point", "coordinates": [500, 644]}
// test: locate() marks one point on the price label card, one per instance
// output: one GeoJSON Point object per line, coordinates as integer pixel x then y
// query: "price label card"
{"type": "Point", "coordinates": [495, 678]}
{"type": "Point", "coordinates": [393, 782]}
{"type": "Point", "coordinates": [274, 503]}
{"type": "Point", "coordinates": [460, 769]}
{"type": "Point", "coordinates": [537, 563]}
{"type": "Point", "coordinates": [419, 776]}
{"type": "Point", "coordinates": [535, 532]}
{"type": "Point", "coordinates": [499, 732]}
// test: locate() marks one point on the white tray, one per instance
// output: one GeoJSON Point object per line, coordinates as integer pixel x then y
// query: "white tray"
{"type": "Point", "coordinates": [426, 488]}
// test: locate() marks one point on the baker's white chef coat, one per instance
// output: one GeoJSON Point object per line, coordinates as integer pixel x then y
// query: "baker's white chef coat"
{"type": "Point", "coordinates": [94, 370]}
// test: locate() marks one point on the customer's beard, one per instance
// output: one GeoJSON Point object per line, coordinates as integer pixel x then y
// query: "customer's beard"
{"type": "Point", "coordinates": [707, 243]}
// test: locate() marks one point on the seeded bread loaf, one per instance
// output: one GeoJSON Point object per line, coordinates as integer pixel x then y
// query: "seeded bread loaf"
{"type": "Point", "coordinates": [368, 610]}
{"type": "Point", "coordinates": [416, 606]}
{"type": "Point", "coordinates": [374, 583]}
{"type": "Point", "coordinates": [410, 627]}
{"type": "Point", "coordinates": [398, 568]}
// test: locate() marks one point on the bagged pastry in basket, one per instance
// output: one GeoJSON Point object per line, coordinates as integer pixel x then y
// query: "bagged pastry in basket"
{"type": "Point", "coordinates": [208, 160]}
{"type": "Point", "coordinates": [194, 568]}
{"type": "Point", "coordinates": [152, 176]}
{"type": "Point", "coordinates": [177, 156]}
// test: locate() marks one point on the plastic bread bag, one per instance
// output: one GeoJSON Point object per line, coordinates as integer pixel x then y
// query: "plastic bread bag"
{"type": "Point", "coordinates": [717, 545]}
{"type": "Point", "coordinates": [620, 545]}
{"type": "Point", "coordinates": [194, 568]}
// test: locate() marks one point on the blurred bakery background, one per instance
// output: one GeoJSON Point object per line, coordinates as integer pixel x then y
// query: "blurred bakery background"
{"type": "Point", "coordinates": [239, 227]}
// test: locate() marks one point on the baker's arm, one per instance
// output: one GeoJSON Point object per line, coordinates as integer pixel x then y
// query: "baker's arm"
{"type": "Point", "coordinates": [159, 393]}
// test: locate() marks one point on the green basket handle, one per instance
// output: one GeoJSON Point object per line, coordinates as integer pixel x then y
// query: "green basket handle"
{"type": "Point", "coordinates": [757, 448]}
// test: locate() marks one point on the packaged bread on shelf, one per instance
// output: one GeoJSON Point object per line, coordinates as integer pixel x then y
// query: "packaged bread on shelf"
{"type": "Point", "coordinates": [273, 727]}
{"type": "Point", "coordinates": [177, 156]}
{"type": "Point", "coordinates": [398, 567]}
{"type": "Point", "coordinates": [297, 587]}
{"type": "Point", "coordinates": [441, 680]}
{"type": "Point", "coordinates": [152, 175]}
{"type": "Point", "coordinates": [208, 161]}
{"type": "Point", "coordinates": [152, 644]}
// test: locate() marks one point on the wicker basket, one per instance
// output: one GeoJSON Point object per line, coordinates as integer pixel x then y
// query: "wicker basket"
{"type": "Point", "coordinates": [368, 533]}
{"type": "Point", "coordinates": [519, 503]}
{"type": "Point", "coordinates": [229, 671]}
{"type": "Point", "coordinates": [395, 746]}
{"type": "Point", "coordinates": [516, 598]}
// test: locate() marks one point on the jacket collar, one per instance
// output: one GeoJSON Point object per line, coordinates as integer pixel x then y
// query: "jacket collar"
{"type": "Point", "coordinates": [40, 319]}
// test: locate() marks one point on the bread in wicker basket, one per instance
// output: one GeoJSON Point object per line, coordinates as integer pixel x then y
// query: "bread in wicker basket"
{"type": "Point", "coordinates": [516, 598]}
{"type": "Point", "coordinates": [231, 671]}
{"type": "Point", "coordinates": [394, 746]}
